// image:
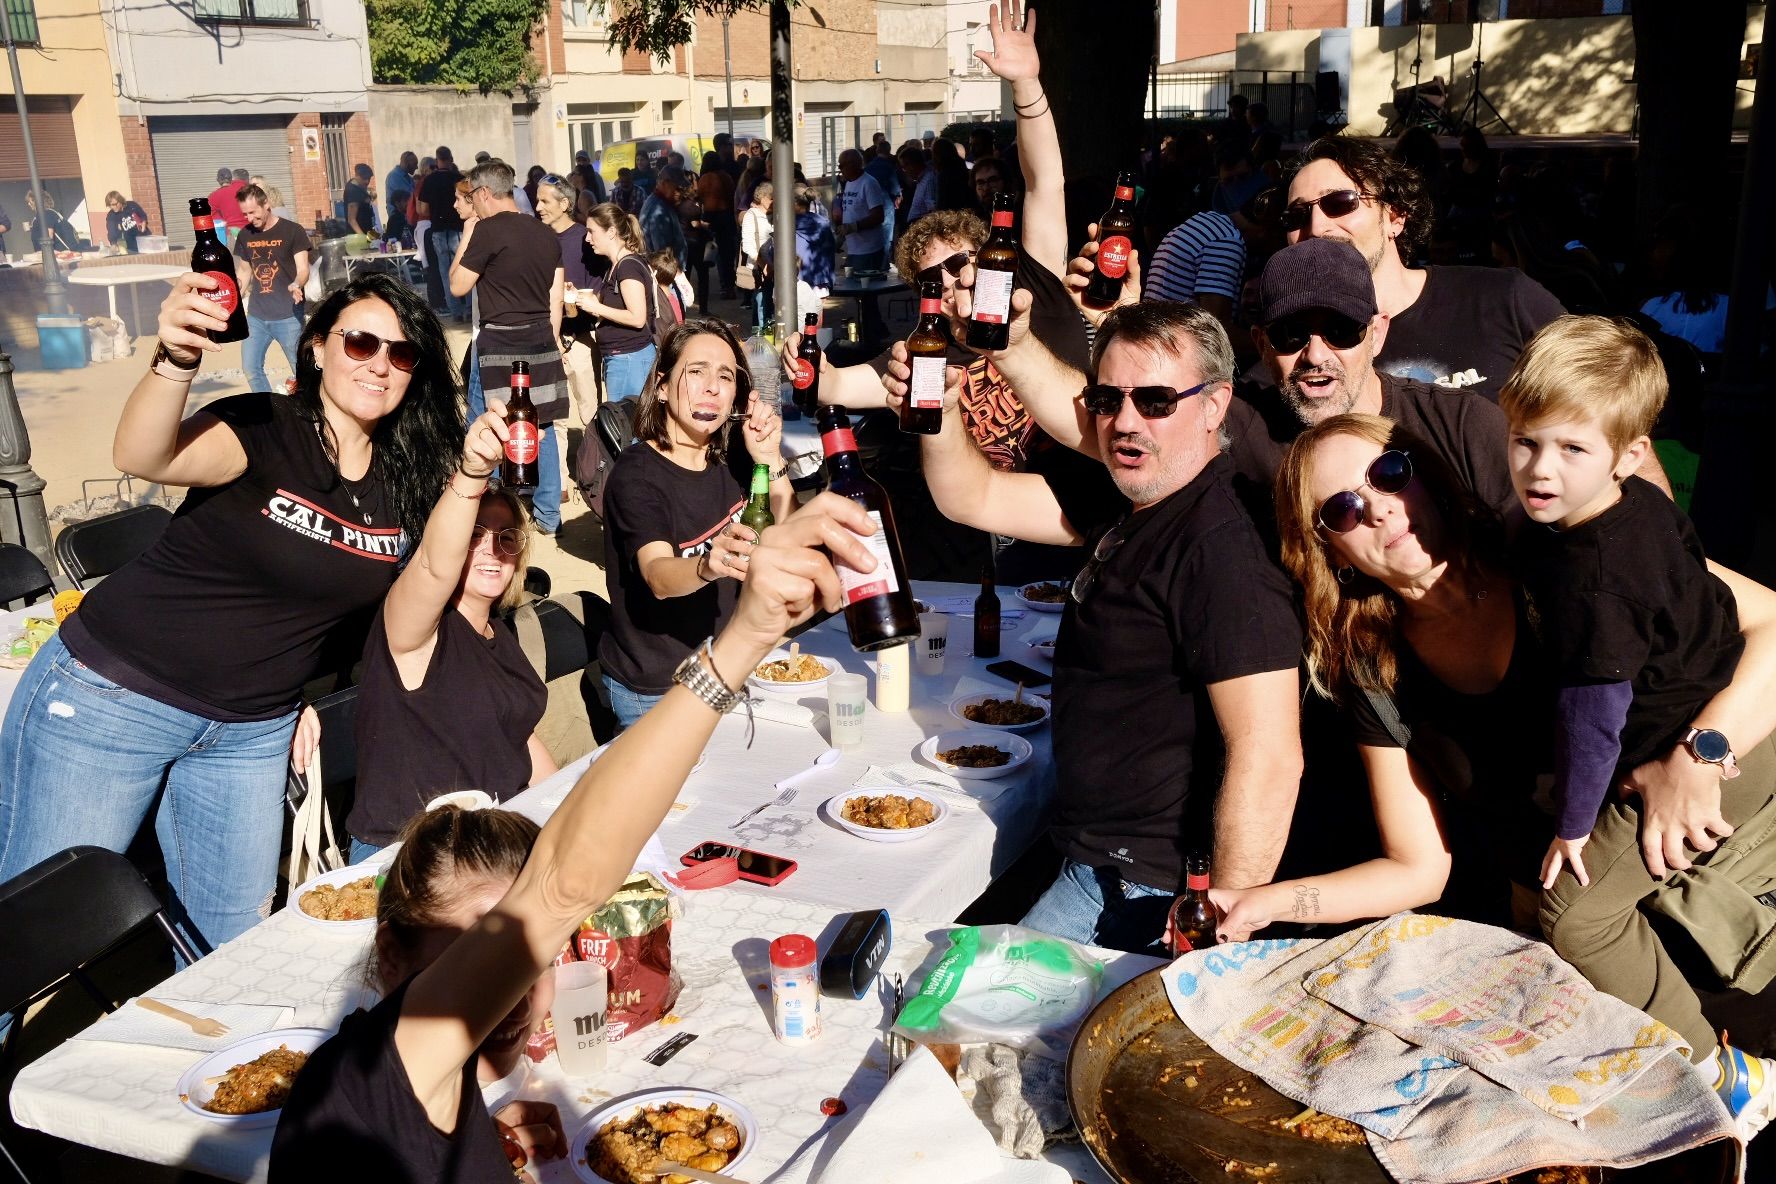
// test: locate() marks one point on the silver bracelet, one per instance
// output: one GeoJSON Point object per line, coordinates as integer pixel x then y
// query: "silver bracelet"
{"type": "Point", "coordinates": [697, 675]}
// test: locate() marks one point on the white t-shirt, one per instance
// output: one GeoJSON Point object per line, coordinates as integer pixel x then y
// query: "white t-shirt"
{"type": "Point", "coordinates": [862, 196]}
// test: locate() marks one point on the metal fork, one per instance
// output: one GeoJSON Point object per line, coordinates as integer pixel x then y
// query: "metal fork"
{"type": "Point", "coordinates": [905, 782]}
{"type": "Point", "coordinates": [197, 1023]}
{"type": "Point", "coordinates": [782, 799]}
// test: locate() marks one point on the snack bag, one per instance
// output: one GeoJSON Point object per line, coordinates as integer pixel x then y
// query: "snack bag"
{"type": "Point", "coordinates": [1003, 984]}
{"type": "Point", "coordinates": [632, 936]}
{"type": "Point", "coordinates": [65, 603]}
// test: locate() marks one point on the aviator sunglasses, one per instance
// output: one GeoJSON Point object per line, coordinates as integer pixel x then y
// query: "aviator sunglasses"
{"type": "Point", "coordinates": [1344, 511]}
{"type": "Point", "coordinates": [361, 345]}
{"type": "Point", "coordinates": [1290, 334]}
{"type": "Point", "coordinates": [1153, 402]}
{"type": "Point", "coordinates": [1298, 214]}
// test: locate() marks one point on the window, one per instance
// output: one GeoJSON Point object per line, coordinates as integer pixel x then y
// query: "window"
{"type": "Point", "coordinates": [251, 12]}
{"type": "Point", "coordinates": [22, 15]}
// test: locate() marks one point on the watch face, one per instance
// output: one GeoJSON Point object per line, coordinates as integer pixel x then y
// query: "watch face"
{"type": "Point", "coordinates": [1711, 745]}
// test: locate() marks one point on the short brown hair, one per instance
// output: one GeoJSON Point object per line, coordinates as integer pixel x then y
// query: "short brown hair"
{"type": "Point", "coordinates": [254, 193]}
{"type": "Point", "coordinates": [1588, 368]}
{"type": "Point", "coordinates": [1395, 185]}
{"type": "Point", "coordinates": [956, 226]}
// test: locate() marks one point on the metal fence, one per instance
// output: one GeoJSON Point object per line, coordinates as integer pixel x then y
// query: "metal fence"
{"type": "Point", "coordinates": [839, 132]}
{"type": "Point", "coordinates": [1289, 95]}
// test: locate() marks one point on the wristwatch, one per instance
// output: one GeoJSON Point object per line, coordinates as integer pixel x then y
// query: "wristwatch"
{"type": "Point", "coordinates": [163, 364]}
{"type": "Point", "coordinates": [697, 675]}
{"type": "Point", "coordinates": [1711, 748]}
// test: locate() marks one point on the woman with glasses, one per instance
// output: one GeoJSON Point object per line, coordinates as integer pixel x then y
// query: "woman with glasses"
{"type": "Point", "coordinates": [418, 734]}
{"type": "Point", "coordinates": [174, 696]}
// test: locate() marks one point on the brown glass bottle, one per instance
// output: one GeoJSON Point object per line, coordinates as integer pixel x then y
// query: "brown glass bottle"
{"type": "Point", "coordinates": [520, 469]}
{"type": "Point", "coordinates": [1116, 230]}
{"type": "Point", "coordinates": [878, 604]}
{"type": "Point", "coordinates": [986, 616]}
{"type": "Point", "coordinates": [807, 378]}
{"type": "Point", "coordinates": [995, 266]}
{"type": "Point", "coordinates": [928, 350]}
{"type": "Point", "coordinates": [1191, 923]}
{"type": "Point", "coordinates": [209, 257]}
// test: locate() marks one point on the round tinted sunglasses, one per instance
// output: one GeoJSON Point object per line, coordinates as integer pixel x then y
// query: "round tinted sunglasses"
{"type": "Point", "coordinates": [1290, 334]}
{"type": "Point", "coordinates": [509, 541]}
{"type": "Point", "coordinates": [1298, 214]}
{"type": "Point", "coordinates": [361, 345]}
{"type": "Point", "coordinates": [1153, 402]}
{"type": "Point", "coordinates": [1344, 511]}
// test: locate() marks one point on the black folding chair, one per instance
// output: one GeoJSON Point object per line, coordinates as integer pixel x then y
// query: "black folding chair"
{"type": "Point", "coordinates": [570, 645]}
{"type": "Point", "coordinates": [99, 546]}
{"type": "Point", "coordinates": [22, 577]}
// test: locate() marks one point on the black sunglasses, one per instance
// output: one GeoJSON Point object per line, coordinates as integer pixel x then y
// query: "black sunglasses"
{"type": "Point", "coordinates": [1344, 511]}
{"type": "Point", "coordinates": [1290, 334]}
{"type": "Point", "coordinates": [1338, 203]}
{"type": "Point", "coordinates": [1153, 402]}
{"type": "Point", "coordinates": [1107, 546]}
{"type": "Point", "coordinates": [361, 345]}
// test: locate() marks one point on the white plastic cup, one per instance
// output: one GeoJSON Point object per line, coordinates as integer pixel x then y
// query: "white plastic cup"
{"type": "Point", "coordinates": [934, 639]}
{"type": "Point", "coordinates": [894, 677]}
{"type": "Point", "coordinates": [581, 998]}
{"type": "Point", "coordinates": [570, 297]}
{"type": "Point", "coordinates": [845, 695]}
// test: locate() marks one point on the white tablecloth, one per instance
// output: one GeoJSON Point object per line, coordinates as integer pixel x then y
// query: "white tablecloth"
{"type": "Point", "coordinates": [11, 622]}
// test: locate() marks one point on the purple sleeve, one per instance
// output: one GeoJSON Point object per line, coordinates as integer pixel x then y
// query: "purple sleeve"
{"type": "Point", "coordinates": [1588, 719]}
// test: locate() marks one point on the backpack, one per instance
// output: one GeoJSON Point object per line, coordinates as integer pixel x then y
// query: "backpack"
{"type": "Point", "coordinates": [612, 431]}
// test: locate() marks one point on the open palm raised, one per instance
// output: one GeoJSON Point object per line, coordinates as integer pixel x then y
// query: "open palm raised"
{"type": "Point", "coordinates": [1013, 56]}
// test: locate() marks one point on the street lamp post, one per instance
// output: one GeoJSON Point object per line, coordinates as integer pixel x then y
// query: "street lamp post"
{"type": "Point", "coordinates": [783, 213]}
{"type": "Point", "coordinates": [728, 74]}
{"type": "Point", "coordinates": [54, 291]}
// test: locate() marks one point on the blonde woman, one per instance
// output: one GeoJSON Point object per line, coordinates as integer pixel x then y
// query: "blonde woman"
{"type": "Point", "coordinates": [755, 235]}
{"type": "Point", "coordinates": [625, 309]}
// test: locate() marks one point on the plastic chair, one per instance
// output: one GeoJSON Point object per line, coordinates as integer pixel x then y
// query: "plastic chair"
{"type": "Point", "coordinates": [22, 577]}
{"type": "Point", "coordinates": [91, 550]}
{"type": "Point", "coordinates": [316, 844]}
{"type": "Point", "coordinates": [569, 634]}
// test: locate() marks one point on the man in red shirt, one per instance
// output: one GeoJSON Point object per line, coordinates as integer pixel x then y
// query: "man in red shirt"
{"type": "Point", "coordinates": [225, 206]}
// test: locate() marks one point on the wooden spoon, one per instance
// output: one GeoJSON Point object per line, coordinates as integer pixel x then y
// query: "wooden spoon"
{"type": "Point", "coordinates": [666, 1167]}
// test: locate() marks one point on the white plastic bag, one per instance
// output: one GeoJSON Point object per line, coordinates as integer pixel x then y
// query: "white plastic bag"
{"type": "Point", "coordinates": [1004, 984]}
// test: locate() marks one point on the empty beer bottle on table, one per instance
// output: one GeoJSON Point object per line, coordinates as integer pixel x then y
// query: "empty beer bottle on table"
{"type": "Point", "coordinates": [1116, 231]}
{"type": "Point", "coordinates": [210, 258]}
{"type": "Point", "coordinates": [1191, 924]}
{"type": "Point", "coordinates": [986, 616]}
{"type": "Point", "coordinates": [807, 376]}
{"type": "Point", "coordinates": [878, 604]}
{"type": "Point", "coordinates": [520, 469]}
{"type": "Point", "coordinates": [757, 513]}
{"type": "Point", "coordinates": [928, 351]}
{"type": "Point", "coordinates": [995, 269]}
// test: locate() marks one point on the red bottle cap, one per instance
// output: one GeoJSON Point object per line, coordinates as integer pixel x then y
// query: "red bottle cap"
{"type": "Point", "coordinates": [793, 950]}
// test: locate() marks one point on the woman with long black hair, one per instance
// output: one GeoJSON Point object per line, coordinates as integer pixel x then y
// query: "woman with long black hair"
{"type": "Point", "coordinates": [173, 691]}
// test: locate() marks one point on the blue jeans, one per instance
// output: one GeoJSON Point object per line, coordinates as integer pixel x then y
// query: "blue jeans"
{"type": "Point", "coordinates": [764, 304]}
{"type": "Point", "coordinates": [360, 850]}
{"type": "Point", "coordinates": [545, 502]}
{"type": "Point", "coordinates": [84, 761]}
{"type": "Point", "coordinates": [445, 244]}
{"type": "Point", "coordinates": [626, 374]}
{"type": "Point", "coordinates": [1096, 906]}
{"type": "Point", "coordinates": [260, 334]}
{"type": "Point", "coordinates": [628, 705]}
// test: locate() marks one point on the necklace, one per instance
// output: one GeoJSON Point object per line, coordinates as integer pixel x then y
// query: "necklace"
{"type": "Point", "coordinates": [344, 484]}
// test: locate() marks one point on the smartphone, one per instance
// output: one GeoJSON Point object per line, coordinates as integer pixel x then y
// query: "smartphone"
{"type": "Point", "coordinates": [1018, 672]}
{"type": "Point", "coordinates": [756, 866]}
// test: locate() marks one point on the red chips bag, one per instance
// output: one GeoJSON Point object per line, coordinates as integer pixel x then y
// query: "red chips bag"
{"type": "Point", "coordinates": [632, 936]}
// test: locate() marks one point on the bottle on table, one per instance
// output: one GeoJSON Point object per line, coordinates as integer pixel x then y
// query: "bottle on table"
{"type": "Point", "coordinates": [795, 989]}
{"type": "Point", "coordinates": [1115, 240]}
{"type": "Point", "coordinates": [520, 469]}
{"type": "Point", "coordinates": [1191, 923]}
{"type": "Point", "coordinates": [210, 258]}
{"type": "Point", "coordinates": [928, 351]}
{"type": "Point", "coordinates": [986, 616]}
{"type": "Point", "coordinates": [995, 266]}
{"type": "Point", "coordinates": [878, 604]}
{"type": "Point", "coordinates": [807, 379]}
{"type": "Point", "coordinates": [757, 513]}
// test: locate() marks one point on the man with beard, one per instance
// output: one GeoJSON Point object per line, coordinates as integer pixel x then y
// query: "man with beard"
{"type": "Point", "coordinates": [1179, 624]}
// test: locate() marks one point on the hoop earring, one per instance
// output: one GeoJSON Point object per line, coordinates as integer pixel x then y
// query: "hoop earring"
{"type": "Point", "coordinates": [1346, 575]}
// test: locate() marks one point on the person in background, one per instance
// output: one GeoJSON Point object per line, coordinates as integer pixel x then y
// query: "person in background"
{"type": "Point", "coordinates": [674, 285]}
{"type": "Point", "coordinates": [555, 199]}
{"type": "Point", "coordinates": [954, 192]}
{"type": "Point", "coordinates": [624, 195]}
{"type": "Point", "coordinates": [660, 224]}
{"type": "Point", "coordinates": [1237, 181]}
{"type": "Point", "coordinates": [590, 178]}
{"type": "Point", "coordinates": [715, 188]}
{"type": "Point", "coordinates": [1690, 276]}
{"type": "Point", "coordinates": [224, 207]}
{"type": "Point", "coordinates": [532, 178]}
{"type": "Point", "coordinates": [271, 259]}
{"type": "Point", "coordinates": [125, 221]}
{"type": "Point", "coordinates": [397, 191]}
{"type": "Point", "coordinates": [360, 200]}
{"type": "Point", "coordinates": [5, 225]}
{"type": "Point", "coordinates": [626, 304]}
{"type": "Point", "coordinates": [1235, 128]}
{"type": "Point", "coordinates": [885, 171]}
{"type": "Point", "coordinates": [756, 232]}
{"type": "Point", "coordinates": [989, 182]}
{"type": "Point", "coordinates": [437, 204]}
{"type": "Point", "coordinates": [915, 161]}
{"type": "Point", "coordinates": [62, 235]}
{"type": "Point", "coordinates": [756, 171]}
{"type": "Point", "coordinates": [863, 210]}
{"type": "Point", "coordinates": [816, 254]}
{"type": "Point", "coordinates": [1258, 120]}
{"type": "Point", "coordinates": [980, 146]}
{"type": "Point", "coordinates": [675, 552]}
{"type": "Point", "coordinates": [698, 238]}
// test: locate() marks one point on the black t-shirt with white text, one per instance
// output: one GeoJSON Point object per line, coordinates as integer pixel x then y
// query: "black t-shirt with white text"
{"type": "Point", "coordinates": [1467, 328]}
{"type": "Point", "coordinates": [649, 499]}
{"type": "Point", "coordinates": [269, 256]}
{"type": "Point", "coordinates": [516, 257]}
{"type": "Point", "coordinates": [227, 613]}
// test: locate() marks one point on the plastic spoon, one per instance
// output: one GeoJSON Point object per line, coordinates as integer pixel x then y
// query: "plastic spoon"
{"type": "Point", "coordinates": [824, 760]}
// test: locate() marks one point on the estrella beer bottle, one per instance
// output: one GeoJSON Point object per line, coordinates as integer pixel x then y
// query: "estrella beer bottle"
{"type": "Point", "coordinates": [520, 470]}
{"type": "Point", "coordinates": [1115, 240]}
{"type": "Point", "coordinates": [210, 258]}
{"type": "Point", "coordinates": [807, 377]}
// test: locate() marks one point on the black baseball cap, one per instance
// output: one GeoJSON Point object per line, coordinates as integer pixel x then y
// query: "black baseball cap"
{"type": "Point", "coordinates": [1325, 273]}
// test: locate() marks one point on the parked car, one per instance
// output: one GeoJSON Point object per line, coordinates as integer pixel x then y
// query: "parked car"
{"type": "Point", "coordinates": [648, 155]}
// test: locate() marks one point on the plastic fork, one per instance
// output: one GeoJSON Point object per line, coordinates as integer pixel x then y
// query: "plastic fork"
{"type": "Point", "coordinates": [197, 1023]}
{"type": "Point", "coordinates": [782, 799]}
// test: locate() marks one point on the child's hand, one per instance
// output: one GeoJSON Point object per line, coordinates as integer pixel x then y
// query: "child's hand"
{"type": "Point", "coordinates": [1565, 851]}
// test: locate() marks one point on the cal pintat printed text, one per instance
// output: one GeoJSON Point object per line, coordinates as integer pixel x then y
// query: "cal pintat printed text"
{"type": "Point", "coordinates": [311, 521]}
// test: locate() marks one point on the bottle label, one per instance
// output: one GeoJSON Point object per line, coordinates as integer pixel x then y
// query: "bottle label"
{"type": "Point", "coordinates": [1002, 218]}
{"type": "Point", "coordinates": [838, 440]}
{"type": "Point", "coordinates": [521, 442]}
{"type": "Point", "coordinates": [226, 293]}
{"type": "Point", "coordinates": [804, 374]}
{"type": "Point", "coordinates": [521, 381]}
{"type": "Point", "coordinates": [203, 222]}
{"type": "Point", "coordinates": [931, 307]}
{"type": "Point", "coordinates": [861, 585]}
{"type": "Point", "coordinates": [926, 391]}
{"type": "Point", "coordinates": [1125, 193]}
{"type": "Point", "coordinates": [1113, 256]}
{"type": "Point", "coordinates": [1197, 883]}
{"type": "Point", "coordinates": [992, 297]}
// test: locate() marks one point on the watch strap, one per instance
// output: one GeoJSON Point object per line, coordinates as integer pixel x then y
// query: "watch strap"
{"type": "Point", "coordinates": [162, 364]}
{"type": "Point", "coordinates": [1728, 764]}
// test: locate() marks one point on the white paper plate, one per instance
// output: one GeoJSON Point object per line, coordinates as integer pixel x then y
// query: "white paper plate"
{"type": "Point", "coordinates": [193, 1093]}
{"type": "Point", "coordinates": [835, 808]}
{"type": "Point", "coordinates": [1042, 606]}
{"type": "Point", "coordinates": [791, 688]}
{"type": "Point", "coordinates": [1037, 701]}
{"type": "Point", "coordinates": [624, 1107]}
{"type": "Point", "coordinates": [1010, 742]}
{"type": "Point", "coordinates": [1044, 648]}
{"type": "Point", "coordinates": [338, 879]}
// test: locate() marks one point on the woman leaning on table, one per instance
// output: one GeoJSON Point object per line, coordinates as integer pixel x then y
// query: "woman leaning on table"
{"type": "Point", "coordinates": [477, 905]}
{"type": "Point", "coordinates": [176, 691]}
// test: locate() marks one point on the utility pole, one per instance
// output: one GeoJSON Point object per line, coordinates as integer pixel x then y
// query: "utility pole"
{"type": "Point", "coordinates": [783, 211]}
{"type": "Point", "coordinates": [55, 293]}
{"type": "Point", "coordinates": [728, 73]}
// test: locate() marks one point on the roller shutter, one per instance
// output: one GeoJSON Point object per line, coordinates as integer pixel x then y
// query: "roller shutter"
{"type": "Point", "coordinates": [188, 149]}
{"type": "Point", "coordinates": [814, 155]}
{"type": "Point", "coordinates": [750, 123]}
{"type": "Point", "coordinates": [52, 137]}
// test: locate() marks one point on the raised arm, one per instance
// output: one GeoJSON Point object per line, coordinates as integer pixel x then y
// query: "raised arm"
{"type": "Point", "coordinates": [1043, 383]}
{"type": "Point", "coordinates": [855, 388]}
{"type": "Point", "coordinates": [1260, 719]}
{"type": "Point", "coordinates": [461, 280]}
{"type": "Point", "coordinates": [1013, 58]}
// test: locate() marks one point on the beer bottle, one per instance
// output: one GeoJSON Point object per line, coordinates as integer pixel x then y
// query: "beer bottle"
{"type": "Point", "coordinates": [210, 258]}
{"type": "Point", "coordinates": [928, 349]}
{"type": "Point", "coordinates": [989, 326]}
{"type": "Point", "coordinates": [807, 379]}
{"type": "Point", "coordinates": [878, 604]}
{"type": "Point", "coordinates": [520, 470]}
{"type": "Point", "coordinates": [1115, 233]}
{"type": "Point", "coordinates": [757, 513]}
{"type": "Point", "coordinates": [1191, 923]}
{"type": "Point", "coordinates": [986, 615]}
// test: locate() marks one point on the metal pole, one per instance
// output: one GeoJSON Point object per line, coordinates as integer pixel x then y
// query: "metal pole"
{"type": "Point", "coordinates": [783, 213]}
{"type": "Point", "coordinates": [54, 291]}
{"type": "Point", "coordinates": [1745, 307]}
{"type": "Point", "coordinates": [25, 521]}
{"type": "Point", "coordinates": [728, 73]}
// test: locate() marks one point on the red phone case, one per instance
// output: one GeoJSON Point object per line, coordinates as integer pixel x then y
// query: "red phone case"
{"type": "Point", "coordinates": [749, 877]}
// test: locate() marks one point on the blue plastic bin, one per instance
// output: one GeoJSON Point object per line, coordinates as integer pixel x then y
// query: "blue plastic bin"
{"type": "Point", "coordinates": [61, 341]}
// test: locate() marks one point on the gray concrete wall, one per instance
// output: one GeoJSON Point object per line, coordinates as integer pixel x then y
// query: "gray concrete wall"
{"type": "Point", "coordinates": [419, 118]}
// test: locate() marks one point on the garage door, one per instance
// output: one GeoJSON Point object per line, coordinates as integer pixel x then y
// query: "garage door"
{"type": "Point", "coordinates": [750, 123]}
{"type": "Point", "coordinates": [188, 149]}
{"type": "Point", "coordinates": [52, 138]}
{"type": "Point", "coordinates": [814, 156]}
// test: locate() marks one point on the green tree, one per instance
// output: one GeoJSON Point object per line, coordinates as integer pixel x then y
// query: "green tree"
{"type": "Point", "coordinates": [657, 27]}
{"type": "Point", "coordinates": [470, 44]}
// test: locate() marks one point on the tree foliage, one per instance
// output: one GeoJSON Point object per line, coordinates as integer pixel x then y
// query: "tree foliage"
{"type": "Point", "coordinates": [470, 44]}
{"type": "Point", "coordinates": [657, 27]}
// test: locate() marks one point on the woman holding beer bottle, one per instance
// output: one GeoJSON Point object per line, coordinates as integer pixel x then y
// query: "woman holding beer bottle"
{"type": "Point", "coordinates": [674, 550]}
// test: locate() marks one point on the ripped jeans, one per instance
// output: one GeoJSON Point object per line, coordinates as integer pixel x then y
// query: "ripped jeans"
{"type": "Point", "coordinates": [84, 762]}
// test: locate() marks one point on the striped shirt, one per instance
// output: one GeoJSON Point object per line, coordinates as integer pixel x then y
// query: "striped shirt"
{"type": "Point", "coordinates": [1205, 255]}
